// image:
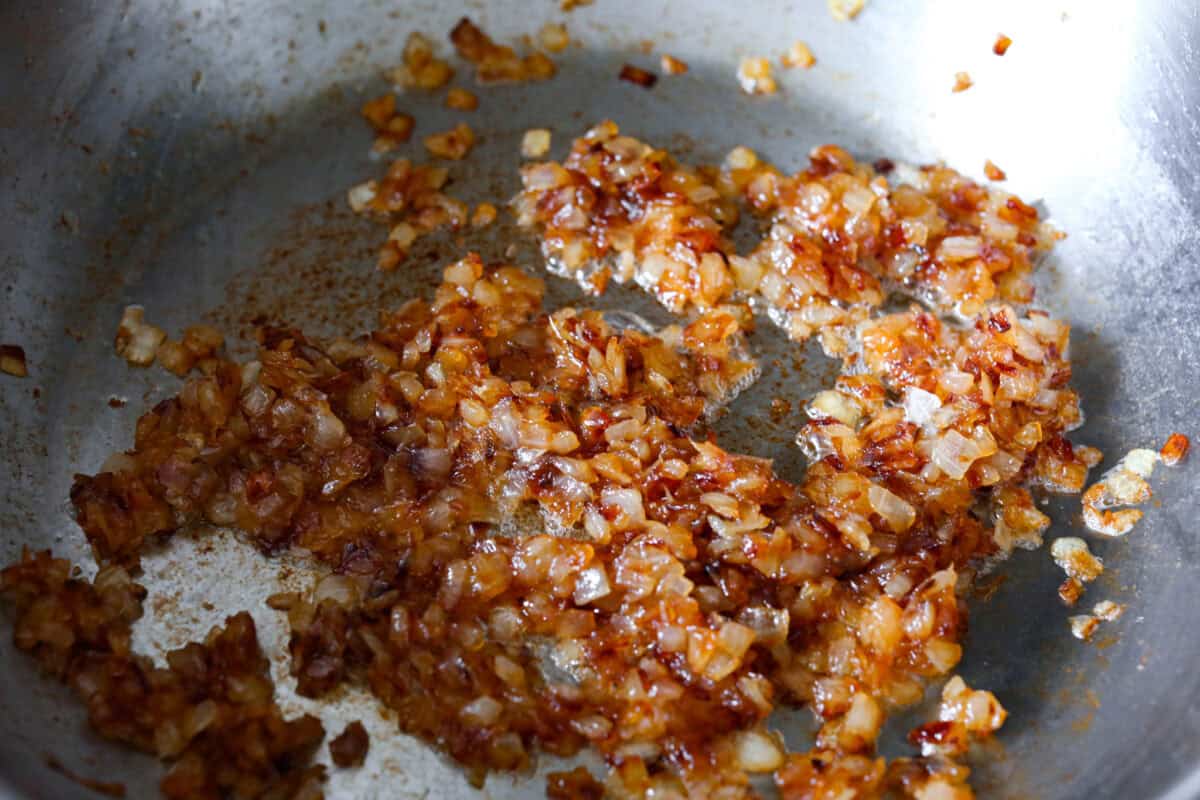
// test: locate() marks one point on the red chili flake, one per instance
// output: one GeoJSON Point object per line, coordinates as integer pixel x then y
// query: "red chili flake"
{"type": "Point", "coordinates": [1001, 45]}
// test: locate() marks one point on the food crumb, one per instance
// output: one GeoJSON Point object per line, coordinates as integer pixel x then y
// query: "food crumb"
{"type": "Point", "coordinates": [1175, 450]}
{"type": "Point", "coordinates": [495, 62]}
{"type": "Point", "coordinates": [1123, 485]}
{"type": "Point", "coordinates": [461, 99]}
{"type": "Point", "coordinates": [349, 748]}
{"type": "Point", "coordinates": [1001, 45]}
{"type": "Point", "coordinates": [672, 65]}
{"type": "Point", "coordinates": [400, 240]}
{"type": "Point", "coordinates": [1070, 591]}
{"type": "Point", "coordinates": [993, 172]}
{"type": "Point", "coordinates": [754, 76]}
{"type": "Point", "coordinates": [845, 10]}
{"type": "Point", "coordinates": [12, 360]}
{"type": "Point", "coordinates": [571, 5]}
{"type": "Point", "coordinates": [1072, 554]}
{"type": "Point", "coordinates": [421, 68]}
{"type": "Point", "coordinates": [485, 214]}
{"type": "Point", "coordinates": [1108, 610]}
{"type": "Point", "coordinates": [453, 145]}
{"type": "Point", "coordinates": [137, 341]}
{"type": "Point", "coordinates": [554, 37]}
{"type": "Point", "coordinates": [199, 343]}
{"type": "Point", "coordinates": [380, 110]}
{"type": "Point", "coordinates": [641, 77]}
{"type": "Point", "coordinates": [578, 784]}
{"type": "Point", "coordinates": [392, 128]}
{"type": "Point", "coordinates": [535, 143]}
{"type": "Point", "coordinates": [799, 55]}
{"type": "Point", "coordinates": [962, 82]}
{"type": "Point", "coordinates": [1083, 626]}
{"type": "Point", "coordinates": [398, 131]}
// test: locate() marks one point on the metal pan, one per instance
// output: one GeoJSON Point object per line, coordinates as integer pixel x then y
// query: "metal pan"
{"type": "Point", "coordinates": [192, 156]}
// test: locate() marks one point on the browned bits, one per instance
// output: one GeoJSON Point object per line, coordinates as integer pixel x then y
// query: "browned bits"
{"type": "Point", "coordinates": [210, 712]}
{"type": "Point", "coordinates": [494, 62]}
{"type": "Point", "coordinates": [845, 10]}
{"type": "Point", "coordinates": [137, 341]}
{"type": "Point", "coordinates": [571, 5]}
{"type": "Point", "coordinates": [1000, 47]}
{"type": "Point", "coordinates": [1175, 449]}
{"type": "Point", "coordinates": [199, 345]}
{"type": "Point", "coordinates": [349, 748]}
{"type": "Point", "coordinates": [963, 714]}
{"type": "Point", "coordinates": [1072, 554]}
{"type": "Point", "coordinates": [668, 594]}
{"type": "Point", "coordinates": [421, 68]}
{"type": "Point", "coordinates": [397, 131]}
{"type": "Point", "coordinates": [553, 37]}
{"type": "Point", "coordinates": [410, 199]}
{"type": "Point", "coordinates": [1070, 590]}
{"type": "Point", "coordinates": [12, 360]}
{"type": "Point", "coordinates": [485, 214]}
{"type": "Point", "coordinates": [535, 143]}
{"type": "Point", "coordinates": [453, 145]}
{"type": "Point", "coordinates": [637, 75]}
{"type": "Point", "coordinates": [678, 591]}
{"type": "Point", "coordinates": [392, 128]}
{"type": "Point", "coordinates": [631, 391]}
{"type": "Point", "coordinates": [380, 110]}
{"type": "Point", "coordinates": [671, 65]}
{"type": "Point", "coordinates": [174, 357]}
{"type": "Point", "coordinates": [993, 172]}
{"type": "Point", "coordinates": [754, 76]}
{"type": "Point", "coordinates": [1105, 502]}
{"type": "Point", "coordinates": [962, 82]}
{"type": "Point", "coordinates": [1108, 611]}
{"type": "Point", "coordinates": [839, 229]}
{"type": "Point", "coordinates": [1083, 626]}
{"type": "Point", "coordinates": [577, 784]}
{"type": "Point", "coordinates": [461, 99]}
{"type": "Point", "coordinates": [798, 55]}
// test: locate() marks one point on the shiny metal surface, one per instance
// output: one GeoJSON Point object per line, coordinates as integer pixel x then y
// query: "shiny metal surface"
{"type": "Point", "coordinates": [191, 155]}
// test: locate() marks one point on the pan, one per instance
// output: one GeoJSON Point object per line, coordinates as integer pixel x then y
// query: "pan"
{"type": "Point", "coordinates": [192, 157]}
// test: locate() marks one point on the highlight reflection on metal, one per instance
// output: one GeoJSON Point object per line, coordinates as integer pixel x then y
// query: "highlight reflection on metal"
{"type": "Point", "coordinates": [180, 155]}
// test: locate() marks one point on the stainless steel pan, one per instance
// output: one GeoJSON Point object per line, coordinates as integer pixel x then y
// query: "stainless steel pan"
{"type": "Point", "coordinates": [191, 155]}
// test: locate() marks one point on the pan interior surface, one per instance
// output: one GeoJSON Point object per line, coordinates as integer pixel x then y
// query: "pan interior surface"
{"type": "Point", "coordinates": [193, 157]}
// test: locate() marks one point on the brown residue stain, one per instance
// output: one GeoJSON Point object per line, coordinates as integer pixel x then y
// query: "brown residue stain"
{"type": "Point", "coordinates": [108, 788]}
{"type": "Point", "coordinates": [987, 587]}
